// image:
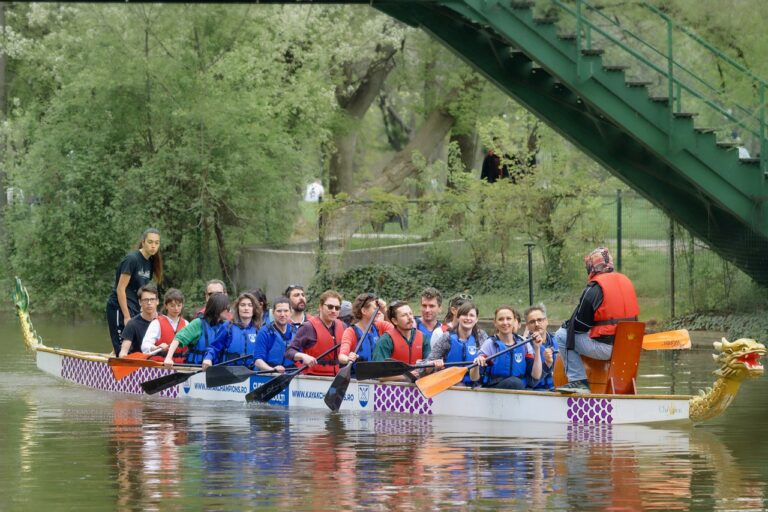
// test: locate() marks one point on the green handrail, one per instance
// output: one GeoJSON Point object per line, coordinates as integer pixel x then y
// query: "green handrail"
{"type": "Point", "coordinates": [678, 84]}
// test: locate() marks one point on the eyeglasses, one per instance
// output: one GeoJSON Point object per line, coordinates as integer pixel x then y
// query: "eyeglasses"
{"type": "Point", "coordinates": [148, 301]}
{"type": "Point", "coordinates": [333, 307]}
{"type": "Point", "coordinates": [533, 321]}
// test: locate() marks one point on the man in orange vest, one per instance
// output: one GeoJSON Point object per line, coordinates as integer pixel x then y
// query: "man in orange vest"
{"type": "Point", "coordinates": [317, 335]}
{"type": "Point", "coordinates": [608, 299]}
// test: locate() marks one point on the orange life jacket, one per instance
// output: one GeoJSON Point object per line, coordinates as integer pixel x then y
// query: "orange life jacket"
{"type": "Point", "coordinates": [324, 342]}
{"type": "Point", "coordinates": [402, 351]}
{"type": "Point", "coordinates": [619, 304]}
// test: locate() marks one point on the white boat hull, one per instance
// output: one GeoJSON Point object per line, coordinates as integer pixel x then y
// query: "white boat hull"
{"type": "Point", "coordinates": [369, 396]}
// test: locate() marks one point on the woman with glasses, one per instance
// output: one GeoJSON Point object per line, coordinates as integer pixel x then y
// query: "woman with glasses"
{"type": "Point", "coordinates": [134, 271]}
{"type": "Point", "coordinates": [362, 311]}
{"type": "Point", "coordinates": [203, 331]}
{"type": "Point", "coordinates": [462, 343]}
{"type": "Point", "coordinates": [515, 369]}
{"type": "Point", "coordinates": [241, 334]}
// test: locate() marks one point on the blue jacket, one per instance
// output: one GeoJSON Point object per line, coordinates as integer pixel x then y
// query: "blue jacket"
{"type": "Point", "coordinates": [271, 344]}
{"type": "Point", "coordinates": [240, 341]}
{"type": "Point", "coordinates": [546, 381]}
{"type": "Point", "coordinates": [462, 351]}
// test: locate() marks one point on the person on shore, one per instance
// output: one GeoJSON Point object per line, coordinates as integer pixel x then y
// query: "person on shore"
{"type": "Point", "coordinates": [363, 308]}
{"type": "Point", "coordinates": [536, 324]}
{"type": "Point", "coordinates": [462, 343]}
{"type": "Point", "coordinates": [295, 292]}
{"type": "Point", "coordinates": [133, 333]}
{"type": "Point", "coordinates": [317, 335]}
{"type": "Point", "coordinates": [163, 329]}
{"type": "Point", "coordinates": [431, 306]}
{"type": "Point", "coordinates": [516, 369]}
{"type": "Point", "coordinates": [241, 334]}
{"type": "Point", "coordinates": [608, 299]}
{"type": "Point", "coordinates": [203, 331]}
{"type": "Point", "coordinates": [402, 342]}
{"type": "Point", "coordinates": [134, 271]}
{"type": "Point", "coordinates": [274, 337]}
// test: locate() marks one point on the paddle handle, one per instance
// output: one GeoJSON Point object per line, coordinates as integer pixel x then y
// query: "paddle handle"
{"type": "Point", "coordinates": [304, 367]}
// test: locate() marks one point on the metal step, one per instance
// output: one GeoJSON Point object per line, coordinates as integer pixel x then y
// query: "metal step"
{"type": "Point", "coordinates": [659, 99]}
{"type": "Point", "coordinates": [638, 83]}
{"type": "Point", "coordinates": [592, 52]}
{"type": "Point", "coordinates": [614, 67]}
{"type": "Point", "coordinates": [684, 115]}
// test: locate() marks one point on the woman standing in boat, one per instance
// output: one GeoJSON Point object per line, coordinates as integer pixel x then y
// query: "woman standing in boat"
{"type": "Point", "coordinates": [241, 334]}
{"type": "Point", "coordinates": [462, 343]}
{"type": "Point", "coordinates": [203, 331]}
{"type": "Point", "coordinates": [515, 369]}
{"type": "Point", "coordinates": [134, 271]}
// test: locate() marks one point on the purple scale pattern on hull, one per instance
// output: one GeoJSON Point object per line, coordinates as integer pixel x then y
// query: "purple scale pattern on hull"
{"type": "Point", "coordinates": [400, 399]}
{"type": "Point", "coordinates": [99, 376]}
{"type": "Point", "coordinates": [590, 410]}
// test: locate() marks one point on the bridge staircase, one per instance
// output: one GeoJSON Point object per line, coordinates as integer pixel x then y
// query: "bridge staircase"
{"type": "Point", "coordinates": [630, 100]}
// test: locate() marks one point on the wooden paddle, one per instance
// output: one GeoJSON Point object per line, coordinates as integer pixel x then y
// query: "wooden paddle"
{"type": "Point", "coordinates": [124, 366]}
{"type": "Point", "coordinates": [151, 387]}
{"type": "Point", "coordinates": [438, 382]}
{"type": "Point", "coordinates": [335, 394]}
{"type": "Point", "coordinates": [668, 340]}
{"type": "Point", "coordinates": [271, 388]}
{"type": "Point", "coordinates": [222, 375]}
{"type": "Point", "coordinates": [390, 368]}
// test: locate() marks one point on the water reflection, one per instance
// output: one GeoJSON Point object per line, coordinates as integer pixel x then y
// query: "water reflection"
{"type": "Point", "coordinates": [219, 456]}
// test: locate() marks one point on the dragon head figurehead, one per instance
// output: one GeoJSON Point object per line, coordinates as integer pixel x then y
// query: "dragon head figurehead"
{"type": "Point", "coordinates": [740, 359]}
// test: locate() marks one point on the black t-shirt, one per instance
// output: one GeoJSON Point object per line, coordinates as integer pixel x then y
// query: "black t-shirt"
{"type": "Point", "coordinates": [140, 270]}
{"type": "Point", "coordinates": [134, 331]}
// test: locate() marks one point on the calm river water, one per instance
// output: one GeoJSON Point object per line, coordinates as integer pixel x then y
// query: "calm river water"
{"type": "Point", "coordinates": [64, 447]}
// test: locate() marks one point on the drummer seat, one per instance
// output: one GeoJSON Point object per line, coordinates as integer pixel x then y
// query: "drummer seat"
{"type": "Point", "coordinates": [616, 376]}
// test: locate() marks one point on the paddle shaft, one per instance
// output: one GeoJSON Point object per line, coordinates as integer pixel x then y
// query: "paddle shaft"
{"type": "Point", "coordinates": [173, 379]}
{"type": "Point", "coordinates": [285, 380]}
{"type": "Point", "coordinates": [502, 352]}
{"type": "Point", "coordinates": [335, 394]}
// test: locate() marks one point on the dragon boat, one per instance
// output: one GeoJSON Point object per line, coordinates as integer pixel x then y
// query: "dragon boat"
{"type": "Point", "coordinates": [738, 361]}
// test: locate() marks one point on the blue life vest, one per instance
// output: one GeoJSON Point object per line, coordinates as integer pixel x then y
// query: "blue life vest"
{"type": "Point", "coordinates": [461, 351]}
{"type": "Point", "coordinates": [280, 341]}
{"type": "Point", "coordinates": [197, 352]}
{"type": "Point", "coordinates": [365, 351]}
{"type": "Point", "coordinates": [511, 364]}
{"type": "Point", "coordinates": [424, 329]}
{"type": "Point", "coordinates": [242, 341]}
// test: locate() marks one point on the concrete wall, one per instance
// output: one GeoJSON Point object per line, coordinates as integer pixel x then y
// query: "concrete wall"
{"type": "Point", "coordinates": [274, 269]}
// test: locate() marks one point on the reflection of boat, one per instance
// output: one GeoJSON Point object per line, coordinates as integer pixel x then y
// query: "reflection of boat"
{"type": "Point", "coordinates": [738, 361]}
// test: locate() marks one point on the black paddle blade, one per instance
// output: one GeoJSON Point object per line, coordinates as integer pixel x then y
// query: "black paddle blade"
{"type": "Point", "coordinates": [335, 394]}
{"type": "Point", "coordinates": [166, 381]}
{"type": "Point", "coordinates": [217, 376]}
{"type": "Point", "coordinates": [271, 388]}
{"type": "Point", "coordinates": [378, 369]}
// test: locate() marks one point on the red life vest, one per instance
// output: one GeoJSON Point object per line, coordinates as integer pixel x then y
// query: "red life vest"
{"type": "Point", "coordinates": [619, 304]}
{"type": "Point", "coordinates": [324, 342]}
{"type": "Point", "coordinates": [401, 351]}
{"type": "Point", "coordinates": [167, 333]}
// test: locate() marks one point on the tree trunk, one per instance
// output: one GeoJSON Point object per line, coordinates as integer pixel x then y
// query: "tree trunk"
{"type": "Point", "coordinates": [355, 106]}
{"type": "Point", "coordinates": [3, 116]}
